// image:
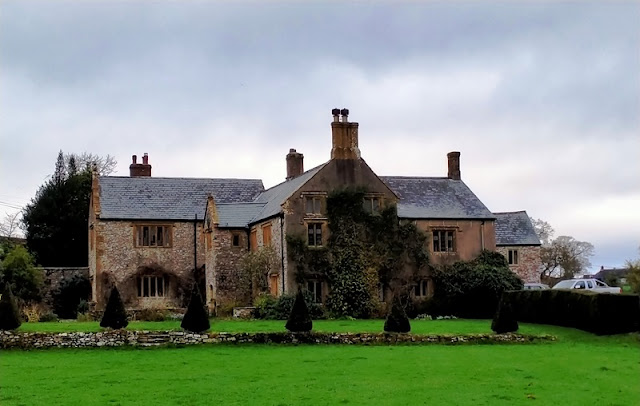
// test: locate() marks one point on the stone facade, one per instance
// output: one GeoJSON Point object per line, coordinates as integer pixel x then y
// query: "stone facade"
{"type": "Point", "coordinates": [528, 266]}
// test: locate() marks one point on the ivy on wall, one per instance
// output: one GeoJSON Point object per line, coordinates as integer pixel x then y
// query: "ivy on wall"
{"type": "Point", "coordinates": [364, 251]}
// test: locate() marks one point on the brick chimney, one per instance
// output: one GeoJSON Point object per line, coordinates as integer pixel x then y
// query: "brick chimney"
{"type": "Point", "coordinates": [295, 165]}
{"type": "Point", "coordinates": [453, 159]}
{"type": "Point", "coordinates": [344, 136]}
{"type": "Point", "coordinates": [139, 170]}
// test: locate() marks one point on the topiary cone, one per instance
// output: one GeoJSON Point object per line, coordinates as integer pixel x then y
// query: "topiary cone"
{"type": "Point", "coordinates": [115, 316]}
{"type": "Point", "coordinates": [9, 314]}
{"type": "Point", "coordinates": [196, 318]}
{"type": "Point", "coordinates": [299, 319]}
{"type": "Point", "coordinates": [505, 319]}
{"type": "Point", "coordinates": [397, 320]}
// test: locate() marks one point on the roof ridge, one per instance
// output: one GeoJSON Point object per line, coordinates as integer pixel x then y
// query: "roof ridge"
{"type": "Point", "coordinates": [509, 212]}
{"type": "Point", "coordinates": [172, 177]}
{"type": "Point", "coordinates": [290, 180]}
{"type": "Point", "coordinates": [416, 177]}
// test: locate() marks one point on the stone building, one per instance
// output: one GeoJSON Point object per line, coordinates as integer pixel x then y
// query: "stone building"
{"type": "Point", "coordinates": [150, 236]}
{"type": "Point", "coordinates": [516, 239]}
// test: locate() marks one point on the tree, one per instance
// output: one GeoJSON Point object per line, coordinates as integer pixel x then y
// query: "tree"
{"type": "Point", "coordinates": [56, 219]}
{"type": "Point", "coordinates": [9, 314]}
{"type": "Point", "coordinates": [68, 295]}
{"type": "Point", "coordinates": [633, 277]}
{"type": "Point", "coordinates": [105, 165]}
{"type": "Point", "coordinates": [196, 318]}
{"type": "Point", "coordinates": [115, 315]}
{"type": "Point", "coordinates": [299, 319]}
{"type": "Point", "coordinates": [20, 274]}
{"type": "Point", "coordinates": [563, 256]}
{"type": "Point", "coordinates": [10, 225]}
{"type": "Point", "coordinates": [397, 320]}
{"type": "Point", "coordinates": [255, 269]}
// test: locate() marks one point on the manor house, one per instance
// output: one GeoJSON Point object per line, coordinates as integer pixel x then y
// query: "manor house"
{"type": "Point", "coordinates": [151, 236]}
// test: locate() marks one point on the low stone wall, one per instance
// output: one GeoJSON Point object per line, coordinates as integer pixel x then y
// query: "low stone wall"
{"type": "Point", "coordinates": [116, 338]}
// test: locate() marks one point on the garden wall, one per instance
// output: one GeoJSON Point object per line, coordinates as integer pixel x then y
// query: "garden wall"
{"type": "Point", "coordinates": [117, 338]}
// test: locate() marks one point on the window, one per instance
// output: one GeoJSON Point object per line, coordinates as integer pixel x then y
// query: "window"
{"type": "Point", "coordinates": [421, 289]}
{"type": "Point", "coordinates": [253, 240]}
{"type": "Point", "coordinates": [152, 286]}
{"type": "Point", "coordinates": [313, 205]}
{"type": "Point", "coordinates": [443, 241]}
{"type": "Point", "coordinates": [315, 234]}
{"type": "Point", "coordinates": [590, 284]}
{"type": "Point", "coordinates": [153, 236]}
{"type": "Point", "coordinates": [371, 204]}
{"type": "Point", "coordinates": [513, 257]}
{"type": "Point", "coordinates": [266, 235]}
{"type": "Point", "coordinates": [315, 287]}
{"type": "Point", "coordinates": [236, 240]}
{"type": "Point", "coordinates": [579, 285]}
{"type": "Point", "coordinates": [600, 284]}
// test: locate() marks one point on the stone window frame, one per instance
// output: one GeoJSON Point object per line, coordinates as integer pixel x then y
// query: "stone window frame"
{"type": "Point", "coordinates": [236, 240]}
{"type": "Point", "coordinates": [314, 224]}
{"type": "Point", "coordinates": [513, 257]}
{"type": "Point", "coordinates": [318, 206]}
{"type": "Point", "coordinates": [157, 286]}
{"type": "Point", "coordinates": [138, 235]}
{"type": "Point", "coordinates": [316, 288]}
{"type": "Point", "coordinates": [373, 203]}
{"type": "Point", "coordinates": [421, 289]}
{"type": "Point", "coordinates": [454, 242]}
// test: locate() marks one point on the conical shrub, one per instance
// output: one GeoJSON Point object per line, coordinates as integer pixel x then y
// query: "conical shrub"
{"type": "Point", "coordinates": [299, 319]}
{"type": "Point", "coordinates": [115, 316]}
{"type": "Point", "coordinates": [9, 313]}
{"type": "Point", "coordinates": [196, 318]}
{"type": "Point", "coordinates": [505, 319]}
{"type": "Point", "coordinates": [397, 320]}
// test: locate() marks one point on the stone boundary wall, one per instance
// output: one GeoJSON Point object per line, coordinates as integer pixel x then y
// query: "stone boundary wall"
{"type": "Point", "coordinates": [117, 338]}
{"type": "Point", "coordinates": [53, 277]}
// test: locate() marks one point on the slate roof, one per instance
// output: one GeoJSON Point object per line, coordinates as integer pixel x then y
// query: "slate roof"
{"type": "Point", "coordinates": [515, 228]}
{"type": "Point", "coordinates": [237, 215]}
{"type": "Point", "coordinates": [436, 198]}
{"type": "Point", "coordinates": [147, 198]}
{"type": "Point", "coordinates": [273, 198]}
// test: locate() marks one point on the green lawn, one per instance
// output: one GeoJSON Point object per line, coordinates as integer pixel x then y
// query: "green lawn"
{"type": "Point", "coordinates": [578, 369]}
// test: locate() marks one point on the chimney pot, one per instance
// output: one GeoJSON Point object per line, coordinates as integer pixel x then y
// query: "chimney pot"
{"type": "Point", "coordinates": [345, 115]}
{"type": "Point", "coordinates": [145, 159]}
{"type": "Point", "coordinates": [453, 163]}
{"type": "Point", "coordinates": [336, 115]}
{"type": "Point", "coordinates": [134, 159]}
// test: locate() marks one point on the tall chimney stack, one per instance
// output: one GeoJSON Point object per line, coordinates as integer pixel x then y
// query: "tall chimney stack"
{"type": "Point", "coordinates": [344, 136]}
{"type": "Point", "coordinates": [453, 159]}
{"type": "Point", "coordinates": [295, 164]}
{"type": "Point", "coordinates": [140, 170]}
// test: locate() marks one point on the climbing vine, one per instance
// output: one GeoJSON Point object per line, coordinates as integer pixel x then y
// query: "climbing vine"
{"type": "Point", "coordinates": [364, 251]}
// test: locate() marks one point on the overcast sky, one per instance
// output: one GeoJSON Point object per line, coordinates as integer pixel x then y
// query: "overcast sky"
{"type": "Point", "coordinates": [542, 99]}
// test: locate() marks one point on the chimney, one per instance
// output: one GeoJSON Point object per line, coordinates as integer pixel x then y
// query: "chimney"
{"type": "Point", "coordinates": [344, 136]}
{"type": "Point", "coordinates": [295, 165]}
{"type": "Point", "coordinates": [454, 165]}
{"type": "Point", "coordinates": [140, 170]}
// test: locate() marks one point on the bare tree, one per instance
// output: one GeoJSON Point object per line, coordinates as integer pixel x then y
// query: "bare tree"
{"type": "Point", "coordinates": [565, 257]}
{"type": "Point", "coordinates": [104, 164]}
{"type": "Point", "coordinates": [10, 226]}
{"type": "Point", "coordinates": [544, 231]}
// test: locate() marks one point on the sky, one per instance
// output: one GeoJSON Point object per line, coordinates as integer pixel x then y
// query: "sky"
{"type": "Point", "coordinates": [541, 98]}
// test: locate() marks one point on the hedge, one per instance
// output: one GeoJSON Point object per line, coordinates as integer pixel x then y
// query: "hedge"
{"type": "Point", "coordinates": [599, 313]}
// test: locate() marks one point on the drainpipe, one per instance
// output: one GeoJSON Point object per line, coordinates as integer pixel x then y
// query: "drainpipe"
{"type": "Point", "coordinates": [195, 245]}
{"type": "Point", "coordinates": [482, 234]}
{"type": "Point", "coordinates": [282, 248]}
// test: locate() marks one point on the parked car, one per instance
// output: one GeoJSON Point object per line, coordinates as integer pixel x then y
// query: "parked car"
{"type": "Point", "coordinates": [535, 286]}
{"type": "Point", "coordinates": [587, 284]}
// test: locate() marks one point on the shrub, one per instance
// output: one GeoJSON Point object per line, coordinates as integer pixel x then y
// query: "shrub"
{"type": "Point", "coordinates": [265, 305]}
{"type": "Point", "coordinates": [33, 312]}
{"type": "Point", "coordinates": [271, 308]}
{"type": "Point", "coordinates": [68, 295]}
{"type": "Point", "coordinates": [115, 316]}
{"type": "Point", "coordinates": [196, 318]}
{"type": "Point", "coordinates": [599, 313]}
{"type": "Point", "coordinates": [472, 289]}
{"type": "Point", "coordinates": [504, 320]}
{"type": "Point", "coordinates": [397, 320]}
{"type": "Point", "coordinates": [9, 315]}
{"type": "Point", "coordinates": [83, 307]}
{"type": "Point", "coordinates": [299, 320]}
{"type": "Point", "coordinates": [19, 272]}
{"type": "Point", "coordinates": [152, 314]}
{"type": "Point", "coordinates": [48, 316]}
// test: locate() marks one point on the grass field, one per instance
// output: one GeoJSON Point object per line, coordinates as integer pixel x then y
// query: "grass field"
{"type": "Point", "coordinates": [578, 369]}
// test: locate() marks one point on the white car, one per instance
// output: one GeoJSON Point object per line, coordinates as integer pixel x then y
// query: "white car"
{"type": "Point", "coordinates": [587, 284]}
{"type": "Point", "coordinates": [535, 286]}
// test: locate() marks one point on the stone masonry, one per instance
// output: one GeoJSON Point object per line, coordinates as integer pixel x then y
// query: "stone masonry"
{"type": "Point", "coordinates": [528, 267]}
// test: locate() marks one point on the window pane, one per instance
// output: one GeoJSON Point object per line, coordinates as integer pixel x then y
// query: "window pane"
{"type": "Point", "coordinates": [145, 236]}
{"type": "Point", "coordinates": [160, 236]}
{"type": "Point", "coordinates": [153, 282]}
{"type": "Point", "coordinates": [167, 237]}
{"type": "Point", "coordinates": [139, 287]}
{"type": "Point", "coordinates": [318, 234]}
{"type": "Point", "coordinates": [318, 294]}
{"type": "Point", "coordinates": [145, 286]}
{"type": "Point", "coordinates": [449, 241]}
{"type": "Point", "coordinates": [376, 204]}
{"type": "Point", "coordinates": [309, 208]}
{"type": "Point", "coordinates": [152, 232]}
{"type": "Point", "coordinates": [160, 287]}
{"type": "Point", "coordinates": [311, 235]}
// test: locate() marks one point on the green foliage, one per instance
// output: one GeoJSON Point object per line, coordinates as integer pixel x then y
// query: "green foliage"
{"type": "Point", "coordinates": [633, 277]}
{"type": "Point", "coordinates": [599, 313]}
{"type": "Point", "coordinates": [472, 289]}
{"type": "Point", "coordinates": [255, 269]}
{"type": "Point", "coordinates": [196, 318]}
{"type": "Point", "coordinates": [271, 308]}
{"type": "Point", "coordinates": [363, 251]}
{"type": "Point", "coordinates": [19, 272]}
{"type": "Point", "coordinates": [299, 319]}
{"type": "Point", "coordinates": [56, 220]}
{"type": "Point", "coordinates": [115, 316]}
{"type": "Point", "coordinates": [9, 312]}
{"type": "Point", "coordinates": [397, 320]}
{"type": "Point", "coordinates": [68, 295]}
